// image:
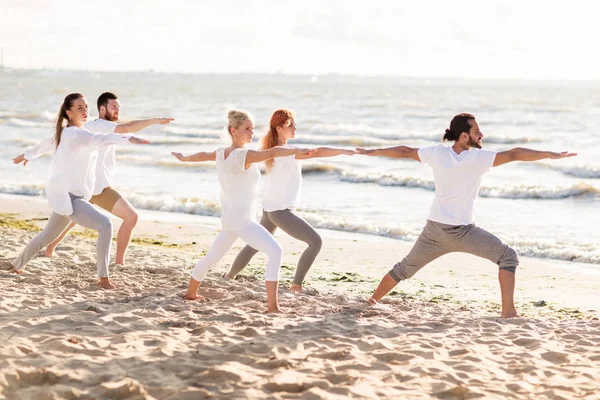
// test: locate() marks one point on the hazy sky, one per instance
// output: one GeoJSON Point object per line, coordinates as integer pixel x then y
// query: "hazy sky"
{"type": "Point", "coordinates": [462, 38]}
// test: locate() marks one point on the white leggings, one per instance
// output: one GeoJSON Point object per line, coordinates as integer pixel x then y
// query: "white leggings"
{"type": "Point", "coordinates": [255, 236]}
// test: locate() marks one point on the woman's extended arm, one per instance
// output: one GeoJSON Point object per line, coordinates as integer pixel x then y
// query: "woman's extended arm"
{"type": "Point", "coordinates": [46, 146]}
{"type": "Point", "coordinates": [254, 156]}
{"type": "Point", "coordinates": [198, 157]}
{"type": "Point", "coordinates": [326, 152]}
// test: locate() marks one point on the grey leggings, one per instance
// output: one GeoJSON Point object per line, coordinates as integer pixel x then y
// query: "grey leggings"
{"type": "Point", "coordinates": [294, 226]}
{"type": "Point", "coordinates": [84, 214]}
{"type": "Point", "coordinates": [438, 239]}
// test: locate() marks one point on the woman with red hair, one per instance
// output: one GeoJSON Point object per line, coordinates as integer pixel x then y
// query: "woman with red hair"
{"type": "Point", "coordinates": [280, 196]}
{"type": "Point", "coordinates": [238, 177]}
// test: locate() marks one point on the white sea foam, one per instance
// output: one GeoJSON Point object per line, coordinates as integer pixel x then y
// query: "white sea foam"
{"type": "Point", "coordinates": [586, 171]}
{"type": "Point", "coordinates": [29, 189]}
{"type": "Point", "coordinates": [540, 248]}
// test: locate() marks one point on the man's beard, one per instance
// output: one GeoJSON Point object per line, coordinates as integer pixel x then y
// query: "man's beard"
{"type": "Point", "coordinates": [112, 117]}
{"type": "Point", "coordinates": [474, 143]}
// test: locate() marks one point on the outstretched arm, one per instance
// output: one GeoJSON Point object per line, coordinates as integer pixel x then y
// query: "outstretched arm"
{"type": "Point", "coordinates": [522, 154]}
{"type": "Point", "coordinates": [138, 125]}
{"type": "Point", "coordinates": [198, 157]}
{"type": "Point", "coordinates": [326, 152]}
{"type": "Point", "coordinates": [254, 156]}
{"type": "Point", "coordinates": [46, 146]}
{"type": "Point", "coordinates": [392, 152]}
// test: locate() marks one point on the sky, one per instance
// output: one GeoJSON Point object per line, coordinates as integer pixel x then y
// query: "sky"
{"type": "Point", "coordinates": [526, 39]}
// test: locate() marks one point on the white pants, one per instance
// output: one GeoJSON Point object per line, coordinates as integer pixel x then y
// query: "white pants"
{"type": "Point", "coordinates": [255, 236]}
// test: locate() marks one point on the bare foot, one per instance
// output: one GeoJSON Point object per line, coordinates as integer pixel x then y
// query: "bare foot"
{"type": "Point", "coordinates": [226, 276]}
{"type": "Point", "coordinates": [372, 301]}
{"type": "Point", "coordinates": [15, 271]}
{"type": "Point", "coordinates": [274, 311]}
{"type": "Point", "coordinates": [105, 283]}
{"type": "Point", "coordinates": [296, 288]}
{"type": "Point", "coordinates": [49, 252]}
{"type": "Point", "coordinates": [195, 297]}
{"type": "Point", "coordinates": [509, 314]}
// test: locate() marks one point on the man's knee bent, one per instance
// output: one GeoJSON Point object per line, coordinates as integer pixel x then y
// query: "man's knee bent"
{"type": "Point", "coordinates": [132, 218]}
{"type": "Point", "coordinates": [509, 260]}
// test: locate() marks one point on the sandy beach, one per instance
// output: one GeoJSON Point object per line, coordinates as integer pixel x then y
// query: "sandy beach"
{"type": "Point", "coordinates": [437, 336]}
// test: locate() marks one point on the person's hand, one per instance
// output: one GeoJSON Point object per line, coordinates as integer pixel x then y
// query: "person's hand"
{"type": "Point", "coordinates": [178, 156]}
{"type": "Point", "coordinates": [20, 159]}
{"type": "Point", "coordinates": [364, 152]}
{"type": "Point", "coordinates": [137, 140]}
{"type": "Point", "coordinates": [563, 154]}
{"type": "Point", "coordinates": [349, 152]}
{"type": "Point", "coordinates": [164, 121]}
{"type": "Point", "coordinates": [306, 152]}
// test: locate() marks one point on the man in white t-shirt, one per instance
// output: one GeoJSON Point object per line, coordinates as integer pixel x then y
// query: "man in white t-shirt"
{"type": "Point", "coordinates": [457, 172]}
{"type": "Point", "coordinates": [104, 195]}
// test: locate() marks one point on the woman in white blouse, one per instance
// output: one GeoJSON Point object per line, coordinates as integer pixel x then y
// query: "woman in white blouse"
{"type": "Point", "coordinates": [238, 177]}
{"type": "Point", "coordinates": [281, 194]}
{"type": "Point", "coordinates": [72, 183]}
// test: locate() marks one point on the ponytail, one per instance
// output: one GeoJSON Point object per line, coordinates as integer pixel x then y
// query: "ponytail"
{"type": "Point", "coordinates": [458, 125]}
{"type": "Point", "coordinates": [280, 117]}
{"type": "Point", "coordinates": [62, 115]}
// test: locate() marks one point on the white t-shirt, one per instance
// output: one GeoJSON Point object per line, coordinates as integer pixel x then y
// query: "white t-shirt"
{"type": "Point", "coordinates": [106, 160]}
{"type": "Point", "coordinates": [239, 188]}
{"type": "Point", "coordinates": [282, 184]}
{"type": "Point", "coordinates": [105, 166]}
{"type": "Point", "coordinates": [74, 166]}
{"type": "Point", "coordinates": [457, 181]}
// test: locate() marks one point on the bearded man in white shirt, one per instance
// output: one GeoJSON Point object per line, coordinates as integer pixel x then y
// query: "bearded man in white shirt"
{"type": "Point", "coordinates": [457, 172]}
{"type": "Point", "coordinates": [104, 195]}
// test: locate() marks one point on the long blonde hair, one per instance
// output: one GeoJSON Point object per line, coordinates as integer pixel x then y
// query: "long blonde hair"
{"type": "Point", "coordinates": [281, 117]}
{"type": "Point", "coordinates": [62, 115]}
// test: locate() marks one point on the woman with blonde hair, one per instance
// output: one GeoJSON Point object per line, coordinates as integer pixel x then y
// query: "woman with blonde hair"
{"type": "Point", "coordinates": [281, 193]}
{"type": "Point", "coordinates": [239, 175]}
{"type": "Point", "coordinates": [72, 184]}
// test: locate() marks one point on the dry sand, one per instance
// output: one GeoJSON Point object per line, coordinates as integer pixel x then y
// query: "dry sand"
{"type": "Point", "coordinates": [437, 336]}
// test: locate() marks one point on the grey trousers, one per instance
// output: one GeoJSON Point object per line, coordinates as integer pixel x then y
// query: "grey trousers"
{"type": "Point", "coordinates": [84, 214]}
{"type": "Point", "coordinates": [294, 226]}
{"type": "Point", "coordinates": [438, 239]}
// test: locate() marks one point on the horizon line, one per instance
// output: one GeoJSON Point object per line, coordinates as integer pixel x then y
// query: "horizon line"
{"type": "Point", "coordinates": [309, 75]}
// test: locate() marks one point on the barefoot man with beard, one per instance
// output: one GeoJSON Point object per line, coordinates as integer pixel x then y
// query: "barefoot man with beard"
{"type": "Point", "coordinates": [457, 172]}
{"type": "Point", "coordinates": [104, 195]}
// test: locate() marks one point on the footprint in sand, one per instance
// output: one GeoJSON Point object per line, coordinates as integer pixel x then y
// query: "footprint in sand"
{"type": "Point", "coordinates": [24, 378]}
{"type": "Point", "coordinates": [527, 342]}
{"type": "Point", "coordinates": [123, 389]}
{"type": "Point", "coordinates": [555, 357]}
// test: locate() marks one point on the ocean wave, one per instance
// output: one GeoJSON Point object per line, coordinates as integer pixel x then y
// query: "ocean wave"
{"type": "Point", "coordinates": [350, 141]}
{"type": "Point", "coordinates": [331, 133]}
{"type": "Point", "coordinates": [195, 131]}
{"type": "Point", "coordinates": [28, 189]}
{"type": "Point", "coordinates": [24, 123]}
{"type": "Point", "coordinates": [503, 192]}
{"type": "Point", "coordinates": [185, 141]}
{"type": "Point", "coordinates": [585, 171]}
{"type": "Point", "coordinates": [539, 248]}
{"type": "Point", "coordinates": [354, 226]}
{"type": "Point", "coordinates": [185, 205]}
